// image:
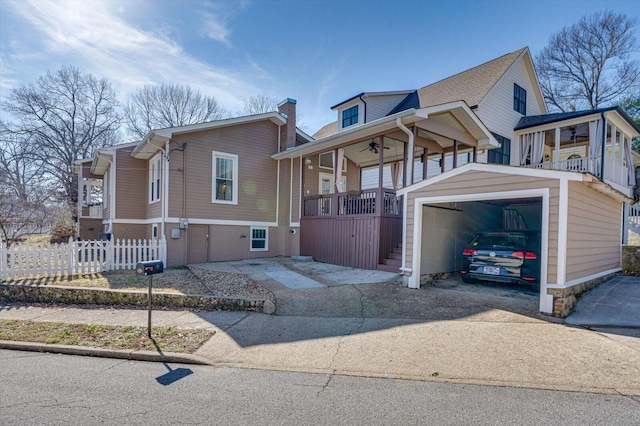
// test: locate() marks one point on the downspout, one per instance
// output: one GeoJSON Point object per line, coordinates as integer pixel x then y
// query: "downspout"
{"type": "Point", "coordinates": [604, 139]}
{"type": "Point", "coordinates": [410, 148]}
{"type": "Point", "coordinates": [112, 192]}
{"type": "Point", "coordinates": [165, 188]}
{"type": "Point", "coordinates": [364, 116]}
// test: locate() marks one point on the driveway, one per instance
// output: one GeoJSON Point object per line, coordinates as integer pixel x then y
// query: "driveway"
{"type": "Point", "coordinates": [613, 304]}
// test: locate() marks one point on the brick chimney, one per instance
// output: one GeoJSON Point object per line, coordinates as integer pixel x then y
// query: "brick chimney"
{"type": "Point", "coordinates": [287, 108]}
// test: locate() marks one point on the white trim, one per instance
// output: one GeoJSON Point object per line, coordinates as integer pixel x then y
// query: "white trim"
{"type": "Point", "coordinates": [301, 191]}
{"type": "Point", "coordinates": [266, 238]}
{"type": "Point", "coordinates": [138, 221]}
{"type": "Point", "coordinates": [165, 189]}
{"type": "Point", "coordinates": [563, 222]}
{"type": "Point", "coordinates": [493, 168]}
{"type": "Point", "coordinates": [223, 222]}
{"type": "Point", "coordinates": [546, 300]}
{"type": "Point", "coordinates": [155, 164]}
{"type": "Point", "coordinates": [290, 192]}
{"type": "Point", "coordinates": [404, 236]}
{"type": "Point", "coordinates": [235, 182]}
{"type": "Point", "coordinates": [294, 224]}
{"type": "Point", "coordinates": [579, 281]}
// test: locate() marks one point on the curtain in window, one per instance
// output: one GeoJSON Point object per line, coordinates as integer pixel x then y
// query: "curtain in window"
{"type": "Point", "coordinates": [525, 147]}
{"type": "Point", "coordinates": [595, 144]}
{"type": "Point", "coordinates": [396, 174]}
{"type": "Point", "coordinates": [537, 150]}
{"type": "Point", "coordinates": [630, 169]}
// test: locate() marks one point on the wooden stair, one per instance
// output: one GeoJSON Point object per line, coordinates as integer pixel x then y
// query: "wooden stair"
{"type": "Point", "coordinates": [393, 262]}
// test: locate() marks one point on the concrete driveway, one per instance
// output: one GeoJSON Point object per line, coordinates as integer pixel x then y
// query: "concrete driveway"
{"type": "Point", "coordinates": [613, 304]}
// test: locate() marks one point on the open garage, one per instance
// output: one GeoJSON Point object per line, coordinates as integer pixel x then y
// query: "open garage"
{"type": "Point", "coordinates": [577, 219]}
{"type": "Point", "coordinates": [452, 226]}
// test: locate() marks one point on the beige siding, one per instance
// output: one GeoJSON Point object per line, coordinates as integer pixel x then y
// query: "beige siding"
{"type": "Point", "coordinates": [477, 182]}
{"type": "Point", "coordinates": [254, 143]}
{"type": "Point", "coordinates": [496, 109]}
{"type": "Point", "coordinates": [128, 231]}
{"type": "Point", "coordinates": [131, 185]}
{"type": "Point", "coordinates": [593, 237]}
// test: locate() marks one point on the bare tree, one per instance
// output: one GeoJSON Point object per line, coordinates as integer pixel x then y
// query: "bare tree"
{"type": "Point", "coordinates": [589, 64]}
{"type": "Point", "coordinates": [168, 105]}
{"type": "Point", "coordinates": [61, 118]}
{"type": "Point", "coordinates": [259, 104]}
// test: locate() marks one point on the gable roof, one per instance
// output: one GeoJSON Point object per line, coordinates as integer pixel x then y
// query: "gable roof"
{"type": "Point", "coordinates": [326, 130]}
{"type": "Point", "coordinates": [471, 85]}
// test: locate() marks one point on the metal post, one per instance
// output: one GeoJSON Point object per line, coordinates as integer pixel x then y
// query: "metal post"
{"type": "Point", "coordinates": [149, 318]}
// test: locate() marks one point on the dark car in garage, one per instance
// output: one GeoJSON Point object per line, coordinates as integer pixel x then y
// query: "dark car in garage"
{"type": "Point", "coordinates": [511, 257]}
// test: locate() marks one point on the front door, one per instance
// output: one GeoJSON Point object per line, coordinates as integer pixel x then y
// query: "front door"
{"type": "Point", "coordinates": [198, 244]}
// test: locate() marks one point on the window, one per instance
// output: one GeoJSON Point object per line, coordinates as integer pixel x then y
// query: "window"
{"type": "Point", "coordinates": [500, 155]}
{"type": "Point", "coordinates": [259, 239]}
{"type": "Point", "coordinates": [325, 160]}
{"type": "Point", "coordinates": [225, 178]}
{"type": "Point", "coordinates": [350, 116]}
{"type": "Point", "coordinates": [154, 231]}
{"type": "Point", "coordinates": [155, 167]}
{"type": "Point", "coordinates": [519, 99]}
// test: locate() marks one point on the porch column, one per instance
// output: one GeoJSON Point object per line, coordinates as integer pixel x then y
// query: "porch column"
{"type": "Point", "coordinates": [425, 159]}
{"type": "Point", "coordinates": [556, 152]}
{"type": "Point", "coordinates": [455, 154]}
{"type": "Point", "coordinates": [603, 147]}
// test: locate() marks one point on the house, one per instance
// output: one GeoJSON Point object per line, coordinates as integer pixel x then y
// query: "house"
{"type": "Point", "coordinates": [400, 181]}
{"type": "Point", "coordinates": [211, 189]}
{"type": "Point", "coordinates": [423, 170]}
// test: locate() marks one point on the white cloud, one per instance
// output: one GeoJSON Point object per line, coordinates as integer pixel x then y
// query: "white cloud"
{"type": "Point", "coordinates": [88, 35]}
{"type": "Point", "coordinates": [215, 28]}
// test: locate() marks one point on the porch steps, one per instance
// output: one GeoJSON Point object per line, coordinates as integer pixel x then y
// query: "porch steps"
{"type": "Point", "coordinates": [393, 262]}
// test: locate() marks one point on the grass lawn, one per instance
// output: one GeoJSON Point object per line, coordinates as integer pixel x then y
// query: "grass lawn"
{"type": "Point", "coordinates": [168, 338]}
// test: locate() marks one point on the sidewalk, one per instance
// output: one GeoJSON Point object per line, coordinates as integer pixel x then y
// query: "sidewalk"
{"type": "Point", "coordinates": [493, 347]}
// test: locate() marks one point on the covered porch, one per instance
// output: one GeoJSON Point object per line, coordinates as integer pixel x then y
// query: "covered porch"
{"type": "Point", "coordinates": [350, 215]}
{"type": "Point", "coordinates": [596, 142]}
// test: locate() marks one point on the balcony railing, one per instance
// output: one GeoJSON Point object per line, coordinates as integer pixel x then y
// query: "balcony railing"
{"type": "Point", "coordinates": [614, 172]}
{"type": "Point", "coordinates": [366, 202]}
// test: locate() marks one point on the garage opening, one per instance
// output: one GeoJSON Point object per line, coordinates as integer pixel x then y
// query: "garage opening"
{"type": "Point", "coordinates": [448, 229]}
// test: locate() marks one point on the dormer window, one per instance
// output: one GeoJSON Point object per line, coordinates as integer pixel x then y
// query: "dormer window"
{"type": "Point", "coordinates": [350, 116]}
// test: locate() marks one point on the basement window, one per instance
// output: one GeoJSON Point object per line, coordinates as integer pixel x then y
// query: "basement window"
{"type": "Point", "coordinates": [259, 239]}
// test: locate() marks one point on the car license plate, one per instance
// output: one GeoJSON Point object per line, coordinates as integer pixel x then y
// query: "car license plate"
{"type": "Point", "coordinates": [491, 270]}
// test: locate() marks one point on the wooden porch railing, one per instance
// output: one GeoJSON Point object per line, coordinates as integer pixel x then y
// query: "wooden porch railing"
{"type": "Point", "coordinates": [367, 202]}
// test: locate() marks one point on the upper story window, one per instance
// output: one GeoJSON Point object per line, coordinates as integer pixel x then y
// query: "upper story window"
{"type": "Point", "coordinates": [225, 178]}
{"type": "Point", "coordinates": [500, 155]}
{"type": "Point", "coordinates": [155, 171]}
{"type": "Point", "coordinates": [350, 116]}
{"type": "Point", "coordinates": [519, 99]}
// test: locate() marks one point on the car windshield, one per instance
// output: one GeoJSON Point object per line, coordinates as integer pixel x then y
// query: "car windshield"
{"type": "Point", "coordinates": [501, 240]}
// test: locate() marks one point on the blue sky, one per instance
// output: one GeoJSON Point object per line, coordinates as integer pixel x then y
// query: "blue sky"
{"type": "Point", "coordinates": [318, 52]}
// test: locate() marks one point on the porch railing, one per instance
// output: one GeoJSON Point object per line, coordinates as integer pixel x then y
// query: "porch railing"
{"type": "Point", "coordinates": [366, 202]}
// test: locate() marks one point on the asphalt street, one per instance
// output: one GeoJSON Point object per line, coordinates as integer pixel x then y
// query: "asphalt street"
{"type": "Point", "coordinates": [62, 390]}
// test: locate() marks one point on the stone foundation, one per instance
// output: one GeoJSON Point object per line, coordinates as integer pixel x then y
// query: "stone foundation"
{"type": "Point", "coordinates": [564, 299]}
{"type": "Point", "coordinates": [631, 259]}
{"type": "Point", "coordinates": [84, 296]}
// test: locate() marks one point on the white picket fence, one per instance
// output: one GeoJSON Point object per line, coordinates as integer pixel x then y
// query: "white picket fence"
{"type": "Point", "coordinates": [23, 260]}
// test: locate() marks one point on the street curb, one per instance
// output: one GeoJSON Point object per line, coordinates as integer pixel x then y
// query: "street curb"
{"type": "Point", "coordinates": [149, 356]}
